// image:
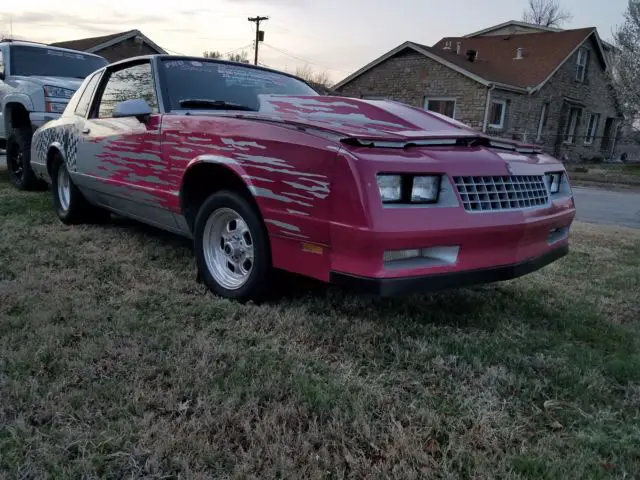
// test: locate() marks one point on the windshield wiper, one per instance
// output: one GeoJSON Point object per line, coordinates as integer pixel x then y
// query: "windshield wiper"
{"type": "Point", "coordinates": [215, 104]}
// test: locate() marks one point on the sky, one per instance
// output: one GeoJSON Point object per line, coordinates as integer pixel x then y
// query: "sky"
{"type": "Point", "coordinates": [332, 36]}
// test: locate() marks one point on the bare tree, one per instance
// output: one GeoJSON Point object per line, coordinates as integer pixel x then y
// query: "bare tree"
{"type": "Point", "coordinates": [625, 63]}
{"type": "Point", "coordinates": [240, 57]}
{"type": "Point", "coordinates": [321, 79]}
{"type": "Point", "coordinates": [547, 13]}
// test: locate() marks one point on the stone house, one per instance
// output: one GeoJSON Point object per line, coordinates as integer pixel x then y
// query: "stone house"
{"type": "Point", "coordinates": [114, 47]}
{"type": "Point", "coordinates": [540, 85]}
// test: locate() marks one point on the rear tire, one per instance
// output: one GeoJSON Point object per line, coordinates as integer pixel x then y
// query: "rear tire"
{"type": "Point", "coordinates": [70, 205]}
{"type": "Point", "coordinates": [18, 154]}
{"type": "Point", "coordinates": [232, 249]}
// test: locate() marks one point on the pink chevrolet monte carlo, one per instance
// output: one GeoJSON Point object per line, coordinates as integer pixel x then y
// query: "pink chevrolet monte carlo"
{"type": "Point", "coordinates": [264, 173]}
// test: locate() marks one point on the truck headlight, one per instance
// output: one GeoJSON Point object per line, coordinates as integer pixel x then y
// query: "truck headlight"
{"type": "Point", "coordinates": [58, 92]}
{"type": "Point", "coordinates": [553, 181]}
{"type": "Point", "coordinates": [425, 189]}
{"type": "Point", "coordinates": [390, 188]}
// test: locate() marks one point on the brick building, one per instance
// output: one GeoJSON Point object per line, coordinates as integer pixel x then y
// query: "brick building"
{"type": "Point", "coordinates": [114, 47]}
{"type": "Point", "coordinates": [536, 84]}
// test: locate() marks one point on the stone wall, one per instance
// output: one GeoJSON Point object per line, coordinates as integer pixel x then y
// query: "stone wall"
{"type": "Point", "coordinates": [410, 77]}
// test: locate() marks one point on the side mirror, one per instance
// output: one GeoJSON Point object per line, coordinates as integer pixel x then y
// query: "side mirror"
{"type": "Point", "coordinates": [136, 107]}
{"type": "Point", "coordinates": [2, 74]}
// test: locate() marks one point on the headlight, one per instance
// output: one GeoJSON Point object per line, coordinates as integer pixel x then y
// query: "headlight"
{"type": "Point", "coordinates": [553, 181]}
{"type": "Point", "coordinates": [425, 189]}
{"type": "Point", "coordinates": [57, 92]}
{"type": "Point", "coordinates": [390, 187]}
{"type": "Point", "coordinates": [408, 188]}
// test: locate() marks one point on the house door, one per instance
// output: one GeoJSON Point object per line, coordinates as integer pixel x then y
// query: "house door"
{"type": "Point", "coordinates": [607, 138]}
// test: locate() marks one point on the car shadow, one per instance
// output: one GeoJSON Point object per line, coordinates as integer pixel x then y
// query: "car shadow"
{"type": "Point", "coordinates": [476, 306]}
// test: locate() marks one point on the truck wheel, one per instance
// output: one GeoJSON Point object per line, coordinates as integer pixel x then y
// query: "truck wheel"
{"type": "Point", "coordinates": [232, 248]}
{"type": "Point", "coordinates": [70, 205]}
{"type": "Point", "coordinates": [19, 161]}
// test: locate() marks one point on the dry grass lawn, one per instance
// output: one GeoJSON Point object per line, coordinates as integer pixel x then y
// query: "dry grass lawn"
{"type": "Point", "coordinates": [115, 363]}
{"type": "Point", "coordinates": [616, 176]}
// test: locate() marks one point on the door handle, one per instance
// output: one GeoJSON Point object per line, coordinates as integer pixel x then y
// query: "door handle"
{"type": "Point", "coordinates": [86, 130]}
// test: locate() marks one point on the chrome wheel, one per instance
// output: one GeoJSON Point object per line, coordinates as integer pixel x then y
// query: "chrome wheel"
{"type": "Point", "coordinates": [228, 248]}
{"type": "Point", "coordinates": [64, 190]}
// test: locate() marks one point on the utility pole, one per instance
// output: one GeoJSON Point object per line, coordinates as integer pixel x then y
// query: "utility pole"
{"type": "Point", "coordinates": [259, 34]}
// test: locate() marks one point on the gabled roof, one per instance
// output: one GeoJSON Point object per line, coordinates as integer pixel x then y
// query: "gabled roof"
{"type": "Point", "coordinates": [513, 23]}
{"type": "Point", "coordinates": [95, 44]}
{"type": "Point", "coordinates": [544, 53]}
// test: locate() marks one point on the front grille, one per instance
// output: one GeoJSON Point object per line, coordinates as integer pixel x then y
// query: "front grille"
{"type": "Point", "coordinates": [480, 194]}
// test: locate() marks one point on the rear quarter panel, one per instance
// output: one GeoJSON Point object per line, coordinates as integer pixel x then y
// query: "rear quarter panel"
{"type": "Point", "coordinates": [289, 172]}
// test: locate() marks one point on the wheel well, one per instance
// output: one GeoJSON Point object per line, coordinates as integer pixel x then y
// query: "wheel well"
{"type": "Point", "coordinates": [51, 154]}
{"type": "Point", "coordinates": [204, 179]}
{"type": "Point", "coordinates": [16, 116]}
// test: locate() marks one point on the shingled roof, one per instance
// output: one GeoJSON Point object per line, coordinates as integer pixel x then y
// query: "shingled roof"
{"type": "Point", "coordinates": [496, 58]}
{"type": "Point", "coordinates": [95, 44]}
{"type": "Point", "coordinates": [496, 63]}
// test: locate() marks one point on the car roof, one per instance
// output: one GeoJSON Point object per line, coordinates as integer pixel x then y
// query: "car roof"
{"type": "Point", "coordinates": [27, 43]}
{"type": "Point", "coordinates": [161, 56]}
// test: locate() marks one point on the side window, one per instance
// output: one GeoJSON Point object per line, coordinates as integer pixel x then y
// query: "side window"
{"type": "Point", "coordinates": [1, 63]}
{"type": "Point", "coordinates": [85, 99]}
{"type": "Point", "coordinates": [127, 84]}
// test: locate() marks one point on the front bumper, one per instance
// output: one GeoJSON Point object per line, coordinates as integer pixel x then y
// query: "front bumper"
{"type": "Point", "coordinates": [395, 286]}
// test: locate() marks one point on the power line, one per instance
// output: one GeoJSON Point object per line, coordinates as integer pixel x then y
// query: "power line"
{"type": "Point", "coordinates": [236, 49]}
{"type": "Point", "coordinates": [289, 54]}
{"type": "Point", "coordinates": [259, 34]}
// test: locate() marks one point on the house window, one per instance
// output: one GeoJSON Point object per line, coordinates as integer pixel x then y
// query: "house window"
{"type": "Point", "coordinates": [572, 124]}
{"type": "Point", "coordinates": [542, 121]}
{"type": "Point", "coordinates": [497, 113]}
{"type": "Point", "coordinates": [592, 128]}
{"type": "Point", "coordinates": [581, 64]}
{"type": "Point", "coordinates": [444, 106]}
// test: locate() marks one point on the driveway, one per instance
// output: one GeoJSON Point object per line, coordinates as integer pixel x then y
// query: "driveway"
{"type": "Point", "coordinates": [605, 207]}
{"type": "Point", "coordinates": [594, 205]}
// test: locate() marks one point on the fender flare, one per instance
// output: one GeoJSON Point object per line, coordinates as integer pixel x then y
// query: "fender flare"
{"type": "Point", "coordinates": [19, 98]}
{"type": "Point", "coordinates": [232, 165]}
{"type": "Point", "coordinates": [59, 148]}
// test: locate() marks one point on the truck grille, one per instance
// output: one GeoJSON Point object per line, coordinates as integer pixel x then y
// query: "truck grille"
{"type": "Point", "coordinates": [513, 192]}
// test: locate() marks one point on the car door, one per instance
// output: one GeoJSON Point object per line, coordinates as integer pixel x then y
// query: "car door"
{"type": "Point", "coordinates": [120, 158]}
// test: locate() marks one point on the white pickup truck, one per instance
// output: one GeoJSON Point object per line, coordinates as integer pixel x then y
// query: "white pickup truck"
{"type": "Point", "coordinates": [36, 83]}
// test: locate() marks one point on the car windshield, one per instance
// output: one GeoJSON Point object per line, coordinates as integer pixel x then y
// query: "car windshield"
{"type": "Point", "coordinates": [219, 85]}
{"type": "Point", "coordinates": [42, 61]}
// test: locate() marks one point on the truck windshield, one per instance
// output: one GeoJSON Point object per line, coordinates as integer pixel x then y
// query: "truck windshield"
{"type": "Point", "coordinates": [219, 85]}
{"type": "Point", "coordinates": [32, 61]}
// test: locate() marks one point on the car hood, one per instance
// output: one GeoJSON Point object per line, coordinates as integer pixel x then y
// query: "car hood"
{"type": "Point", "coordinates": [64, 82]}
{"type": "Point", "coordinates": [367, 120]}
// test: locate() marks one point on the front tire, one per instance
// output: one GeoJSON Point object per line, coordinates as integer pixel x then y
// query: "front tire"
{"type": "Point", "coordinates": [232, 248]}
{"type": "Point", "coordinates": [70, 205]}
{"type": "Point", "coordinates": [18, 154]}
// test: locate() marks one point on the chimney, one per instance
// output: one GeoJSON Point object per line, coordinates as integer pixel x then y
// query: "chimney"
{"type": "Point", "coordinates": [519, 53]}
{"type": "Point", "coordinates": [458, 47]}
